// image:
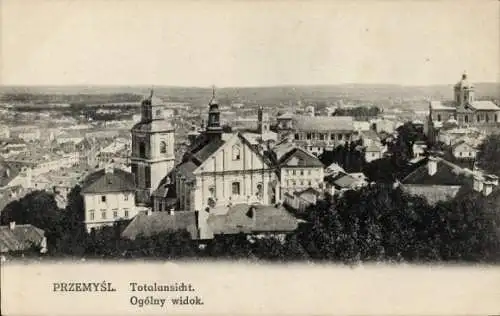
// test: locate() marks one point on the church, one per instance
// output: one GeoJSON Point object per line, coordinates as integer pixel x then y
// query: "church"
{"type": "Point", "coordinates": [219, 168]}
{"type": "Point", "coordinates": [463, 111]}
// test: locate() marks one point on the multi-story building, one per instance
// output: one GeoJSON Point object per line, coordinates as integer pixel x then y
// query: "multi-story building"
{"type": "Point", "coordinates": [152, 155]}
{"type": "Point", "coordinates": [109, 196]}
{"type": "Point", "coordinates": [300, 170]}
{"type": "Point", "coordinates": [464, 110]}
{"type": "Point", "coordinates": [224, 168]}
{"type": "Point", "coordinates": [316, 133]}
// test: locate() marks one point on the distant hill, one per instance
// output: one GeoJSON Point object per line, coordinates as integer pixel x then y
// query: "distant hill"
{"type": "Point", "coordinates": [386, 95]}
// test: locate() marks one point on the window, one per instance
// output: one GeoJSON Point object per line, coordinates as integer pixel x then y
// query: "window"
{"type": "Point", "coordinates": [103, 198]}
{"type": "Point", "coordinates": [126, 212]}
{"type": "Point", "coordinates": [496, 117]}
{"type": "Point", "coordinates": [308, 136]}
{"type": "Point", "coordinates": [142, 150]}
{"type": "Point", "coordinates": [479, 118]}
{"type": "Point", "coordinates": [236, 188]}
{"type": "Point", "coordinates": [103, 214]}
{"type": "Point", "coordinates": [163, 147]}
{"type": "Point", "coordinates": [487, 118]}
{"type": "Point", "coordinates": [297, 136]}
{"type": "Point", "coordinates": [91, 215]}
{"type": "Point", "coordinates": [211, 191]}
{"type": "Point", "coordinates": [301, 182]}
{"type": "Point", "coordinates": [115, 214]}
{"type": "Point", "coordinates": [125, 197]}
{"type": "Point", "coordinates": [293, 172]}
{"type": "Point", "coordinates": [439, 117]}
{"type": "Point", "coordinates": [339, 136]}
{"type": "Point", "coordinates": [309, 182]}
{"type": "Point", "coordinates": [259, 190]}
{"type": "Point", "coordinates": [301, 172]}
{"type": "Point", "coordinates": [236, 152]}
{"type": "Point", "coordinates": [309, 172]}
{"type": "Point", "coordinates": [466, 119]}
{"type": "Point", "coordinates": [147, 176]}
{"type": "Point", "coordinates": [158, 113]}
{"type": "Point", "coordinates": [321, 136]}
{"type": "Point", "coordinates": [294, 183]}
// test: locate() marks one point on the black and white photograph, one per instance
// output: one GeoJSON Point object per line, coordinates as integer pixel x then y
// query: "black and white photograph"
{"type": "Point", "coordinates": [249, 157]}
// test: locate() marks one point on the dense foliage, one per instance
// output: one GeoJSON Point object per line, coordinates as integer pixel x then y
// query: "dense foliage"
{"type": "Point", "coordinates": [489, 154]}
{"type": "Point", "coordinates": [377, 223]}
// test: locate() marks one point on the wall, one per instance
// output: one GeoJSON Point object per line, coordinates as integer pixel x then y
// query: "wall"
{"type": "Point", "coordinates": [119, 202]}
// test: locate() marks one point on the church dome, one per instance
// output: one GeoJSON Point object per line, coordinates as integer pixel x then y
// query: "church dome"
{"type": "Point", "coordinates": [464, 83]}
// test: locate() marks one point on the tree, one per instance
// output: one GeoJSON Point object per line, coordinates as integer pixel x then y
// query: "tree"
{"type": "Point", "coordinates": [489, 152]}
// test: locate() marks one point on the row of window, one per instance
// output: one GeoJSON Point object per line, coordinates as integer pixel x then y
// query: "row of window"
{"type": "Point", "coordinates": [104, 199]}
{"type": "Point", "coordinates": [294, 183]}
{"type": "Point", "coordinates": [479, 118]}
{"type": "Point", "coordinates": [142, 149]}
{"type": "Point", "coordinates": [236, 189]}
{"type": "Point", "coordinates": [323, 136]}
{"type": "Point", "coordinates": [104, 214]}
{"type": "Point", "coordinates": [300, 172]}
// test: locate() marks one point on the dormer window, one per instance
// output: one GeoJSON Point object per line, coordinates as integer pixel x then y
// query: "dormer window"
{"type": "Point", "coordinates": [236, 152]}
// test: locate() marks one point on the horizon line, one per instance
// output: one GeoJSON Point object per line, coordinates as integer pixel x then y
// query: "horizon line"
{"type": "Point", "coordinates": [210, 87]}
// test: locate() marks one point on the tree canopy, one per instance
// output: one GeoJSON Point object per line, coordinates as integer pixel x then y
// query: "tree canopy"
{"type": "Point", "coordinates": [489, 154]}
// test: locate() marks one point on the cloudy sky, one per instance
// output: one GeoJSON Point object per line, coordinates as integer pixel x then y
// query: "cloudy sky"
{"type": "Point", "coordinates": [247, 43]}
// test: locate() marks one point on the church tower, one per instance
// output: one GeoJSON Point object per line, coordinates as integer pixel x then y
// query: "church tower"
{"type": "Point", "coordinates": [152, 149]}
{"type": "Point", "coordinates": [213, 129]}
{"type": "Point", "coordinates": [262, 121]}
{"type": "Point", "coordinates": [464, 92]}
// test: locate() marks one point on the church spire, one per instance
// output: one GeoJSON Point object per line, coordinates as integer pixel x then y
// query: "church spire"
{"type": "Point", "coordinates": [213, 100]}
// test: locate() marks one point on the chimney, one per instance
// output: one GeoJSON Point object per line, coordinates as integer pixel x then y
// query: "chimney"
{"type": "Point", "coordinates": [487, 187]}
{"type": "Point", "coordinates": [478, 183]}
{"type": "Point", "coordinates": [432, 166]}
{"type": "Point", "coordinates": [12, 225]}
{"type": "Point", "coordinates": [493, 179]}
{"type": "Point", "coordinates": [108, 169]}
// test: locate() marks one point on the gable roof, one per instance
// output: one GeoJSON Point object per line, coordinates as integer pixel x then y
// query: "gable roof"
{"type": "Point", "coordinates": [485, 105]}
{"type": "Point", "coordinates": [342, 180]}
{"type": "Point", "coordinates": [302, 158]}
{"type": "Point", "coordinates": [266, 219]}
{"type": "Point", "coordinates": [22, 237]}
{"type": "Point", "coordinates": [102, 182]}
{"type": "Point", "coordinates": [157, 222]}
{"type": "Point", "coordinates": [447, 173]}
{"type": "Point", "coordinates": [206, 149]}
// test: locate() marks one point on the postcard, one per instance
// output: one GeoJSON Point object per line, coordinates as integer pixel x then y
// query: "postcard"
{"type": "Point", "coordinates": [249, 157]}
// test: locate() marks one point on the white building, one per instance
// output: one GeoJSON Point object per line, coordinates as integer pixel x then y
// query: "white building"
{"type": "Point", "coordinates": [108, 196]}
{"type": "Point", "coordinates": [300, 170]}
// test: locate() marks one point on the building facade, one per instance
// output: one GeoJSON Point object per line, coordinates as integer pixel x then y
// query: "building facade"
{"type": "Point", "coordinates": [109, 196]}
{"type": "Point", "coordinates": [316, 133]}
{"type": "Point", "coordinates": [464, 110]}
{"type": "Point", "coordinates": [222, 169]}
{"type": "Point", "coordinates": [152, 155]}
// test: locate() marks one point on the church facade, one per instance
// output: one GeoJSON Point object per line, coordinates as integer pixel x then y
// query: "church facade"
{"type": "Point", "coordinates": [463, 111]}
{"type": "Point", "coordinates": [224, 169]}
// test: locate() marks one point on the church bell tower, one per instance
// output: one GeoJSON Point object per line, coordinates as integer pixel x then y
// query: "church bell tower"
{"type": "Point", "coordinates": [152, 149]}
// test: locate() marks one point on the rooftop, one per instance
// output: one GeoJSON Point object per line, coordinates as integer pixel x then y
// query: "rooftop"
{"type": "Point", "coordinates": [323, 123]}
{"type": "Point", "coordinates": [252, 218]}
{"type": "Point", "coordinates": [101, 182]}
{"type": "Point", "coordinates": [157, 222]}
{"type": "Point", "coordinates": [21, 237]}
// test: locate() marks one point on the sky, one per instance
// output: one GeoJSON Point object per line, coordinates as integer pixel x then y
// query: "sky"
{"type": "Point", "coordinates": [247, 43]}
